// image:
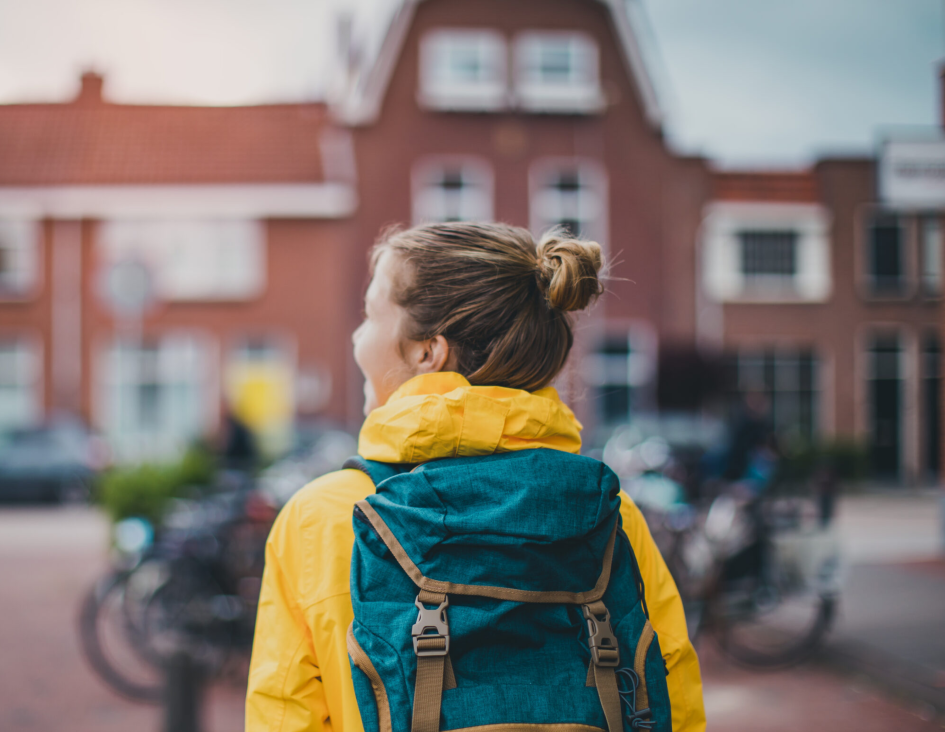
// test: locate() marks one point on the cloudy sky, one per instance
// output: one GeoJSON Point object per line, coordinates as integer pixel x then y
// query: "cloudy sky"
{"type": "Point", "coordinates": [745, 81]}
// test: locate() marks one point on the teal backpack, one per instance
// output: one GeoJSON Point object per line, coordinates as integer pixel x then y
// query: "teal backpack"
{"type": "Point", "coordinates": [500, 590]}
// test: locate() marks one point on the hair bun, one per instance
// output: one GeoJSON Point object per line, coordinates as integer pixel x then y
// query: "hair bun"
{"type": "Point", "coordinates": [567, 271]}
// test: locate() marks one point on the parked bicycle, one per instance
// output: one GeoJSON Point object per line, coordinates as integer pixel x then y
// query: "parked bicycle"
{"type": "Point", "coordinates": [193, 586]}
{"type": "Point", "coordinates": [758, 571]}
{"type": "Point", "coordinates": [192, 583]}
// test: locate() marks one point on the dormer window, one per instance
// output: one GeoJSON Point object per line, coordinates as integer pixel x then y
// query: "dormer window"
{"type": "Point", "coordinates": [557, 72]}
{"type": "Point", "coordinates": [463, 70]}
{"type": "Point", "coordinates": [452, 189]}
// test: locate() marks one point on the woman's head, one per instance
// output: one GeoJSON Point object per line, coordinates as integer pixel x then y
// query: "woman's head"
{"type": "Point", "coordinates": [484, 300]}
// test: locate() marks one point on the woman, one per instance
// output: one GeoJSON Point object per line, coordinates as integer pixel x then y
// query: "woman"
{"type": "Point", "coordinates": [465, 327]}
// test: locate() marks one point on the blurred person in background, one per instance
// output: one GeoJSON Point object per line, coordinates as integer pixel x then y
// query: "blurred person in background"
{"type": "Point", "coordinates": [239, 450]}
{"type": "Point", "coordinates": [752, 454]}
{"type": "Point", "coordinates": [465, 327]}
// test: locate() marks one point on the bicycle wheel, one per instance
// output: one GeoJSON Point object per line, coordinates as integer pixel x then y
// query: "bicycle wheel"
{"type": "Point", "coordinates": [111, 641]}
{"type": "Point", "coordinates": [189, 612]}
{"type": "Point", "coordinates": [770, 619]}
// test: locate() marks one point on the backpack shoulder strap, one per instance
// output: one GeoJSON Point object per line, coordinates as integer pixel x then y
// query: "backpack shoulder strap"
{"type": "Point", "coordinates": [377, 471]}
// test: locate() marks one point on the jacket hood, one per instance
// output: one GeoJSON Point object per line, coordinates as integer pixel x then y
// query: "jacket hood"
{"type": "Point", "coordinates": [442, 415]}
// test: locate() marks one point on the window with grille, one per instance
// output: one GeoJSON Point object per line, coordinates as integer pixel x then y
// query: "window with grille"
{"type": "Point", "coordinates": [886, 265]}
{"type": "Point", "coordinates": [620, 371]}
{"type": "Point", "coordinates": [789, 381]}
{"type": "Point", "coordinates": [769, 253]}
{"type": "Point", "coordinates": [572, 196]}
{"type": "Point", "coordinates": [452, 190]}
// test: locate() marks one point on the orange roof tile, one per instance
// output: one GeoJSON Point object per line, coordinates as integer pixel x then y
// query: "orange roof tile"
{"type": "Point", "coordinates": [92, 142]}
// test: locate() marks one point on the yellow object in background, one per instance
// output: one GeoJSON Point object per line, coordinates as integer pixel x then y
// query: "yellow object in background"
{"type": "Point", "coordinates": [261, 397]}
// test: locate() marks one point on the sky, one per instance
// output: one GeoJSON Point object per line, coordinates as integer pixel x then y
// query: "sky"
{"type": "Point", "coordinates": [746, 82]}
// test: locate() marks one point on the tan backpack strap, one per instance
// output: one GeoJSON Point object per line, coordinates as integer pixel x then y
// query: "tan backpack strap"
{"type": "Point", "coordinates": [605, 657]}
{"type": "Point", "coordinates": [431, 649]}
{"type": "Point", "coordinates": [639, 664]}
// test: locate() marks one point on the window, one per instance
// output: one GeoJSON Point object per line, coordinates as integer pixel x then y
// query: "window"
{"type": "Point", "coordinates": [886, 265]}
{"type": "Point", "coordinates": [463, 70]}
{"type": "Point", "coordinates": [766, 252]}
{"type": "Point", "coordinates": [885, 404]}
{"type": "Point", "coordinates": [20, 379]}
{"type": "Point", "coordinates": [557, 72]}
{"type": "Point", "coordinates": [193, 260]}
{"type": "Point", "coordinates": [788, 378]}
{"type": "Point", "coordinates": [931, 232]}
{"type": "Point", "coordinates": [452, 189]}
{"type": "Point", "coordinates": [158, 396]}
{"type": "Point", "coordinates": [621, 371]}
{"type": "Point", "coordinates": [569, 194]}
{"type": "Point", "coordinates": [769, 253]}
{"type": "Point", "coordinates": [18, 257]}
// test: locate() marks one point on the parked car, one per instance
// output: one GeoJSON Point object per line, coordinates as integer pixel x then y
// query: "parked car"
{"type": "Point", "coordinates": [51, 462]}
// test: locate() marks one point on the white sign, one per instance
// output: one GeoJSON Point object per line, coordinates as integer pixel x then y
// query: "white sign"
{"type": "Point", "coordinates": [912, 173]}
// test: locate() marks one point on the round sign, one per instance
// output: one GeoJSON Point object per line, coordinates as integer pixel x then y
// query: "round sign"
{"type": "Point", "coordinates": [129, 287]}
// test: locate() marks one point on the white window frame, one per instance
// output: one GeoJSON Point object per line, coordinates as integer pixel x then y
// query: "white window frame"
{"type": "Point", "coordinates": [438, 91]}
{"type": "Point", "coordinates": [19, 241]}
{"type": "Point", "coordinates": [590, 205]}
{"type": "Point", "coordinates": [117, 376]}
{"type": "Point", "coordinates": [429, 202]}
{"type": "Point", "coordinates": [186, 256]}
{"type": "Point", "coordinates": [25, 374]}
{"type": "Point", "coordinates": [722, 277]}
{"type": "Point", "coordinates": [581, 93]}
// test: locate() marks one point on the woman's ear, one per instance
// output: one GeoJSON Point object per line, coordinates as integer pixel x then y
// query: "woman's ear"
{"type": "Point", "coordinates": [433, 355]}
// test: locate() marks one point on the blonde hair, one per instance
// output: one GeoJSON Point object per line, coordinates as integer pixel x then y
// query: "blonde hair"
{"type": "Point", "coordinates": [500, 299]}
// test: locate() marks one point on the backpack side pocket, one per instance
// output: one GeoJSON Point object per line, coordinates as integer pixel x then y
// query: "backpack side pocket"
{"type": "Point", "coordinates": [368, 687]}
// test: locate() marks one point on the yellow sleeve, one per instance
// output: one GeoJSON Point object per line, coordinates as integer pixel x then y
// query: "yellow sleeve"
{"type": "Point", "coordinates": [669, 622]}
{"type": "Point", "coordinates": [285, 691]}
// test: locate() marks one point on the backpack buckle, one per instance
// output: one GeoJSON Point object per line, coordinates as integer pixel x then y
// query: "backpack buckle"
{"type": "Point", "coordinates": [436, 643]}
{"type": "Point", "coordinates": [600, 637]}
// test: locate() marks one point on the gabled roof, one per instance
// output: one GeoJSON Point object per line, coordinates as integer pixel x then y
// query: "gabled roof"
{"type": "Point", "coordinates": [362, 105]}
{"type": "Point", "coordinates": [92, 142]}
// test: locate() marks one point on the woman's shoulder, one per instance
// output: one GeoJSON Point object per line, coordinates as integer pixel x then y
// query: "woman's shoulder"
{"type": "Point", "coordinates": [312, 538]}
{"type": "Point", "coordinates": [326, 501]}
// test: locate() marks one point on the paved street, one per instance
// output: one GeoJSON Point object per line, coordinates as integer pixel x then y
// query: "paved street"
{"type": "Point", "coordinates": [49, 556]}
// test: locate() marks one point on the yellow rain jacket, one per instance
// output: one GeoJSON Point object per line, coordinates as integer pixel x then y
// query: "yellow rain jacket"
{"type": "Point", "coordinates": [300, 678]}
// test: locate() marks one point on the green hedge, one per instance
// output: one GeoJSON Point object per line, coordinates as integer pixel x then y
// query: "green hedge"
{"type": "Point", "coordinates": [845, 460]}
{"type": "Point", "coordinates": [145, 490]}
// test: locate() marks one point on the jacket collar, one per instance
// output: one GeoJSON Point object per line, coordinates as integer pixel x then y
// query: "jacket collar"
{"type": "Point", "coordinates": [441, 415]}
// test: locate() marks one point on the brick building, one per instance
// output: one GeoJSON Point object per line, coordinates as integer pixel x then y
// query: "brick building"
{"type": "Point", "coordinates": [255, 223]}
